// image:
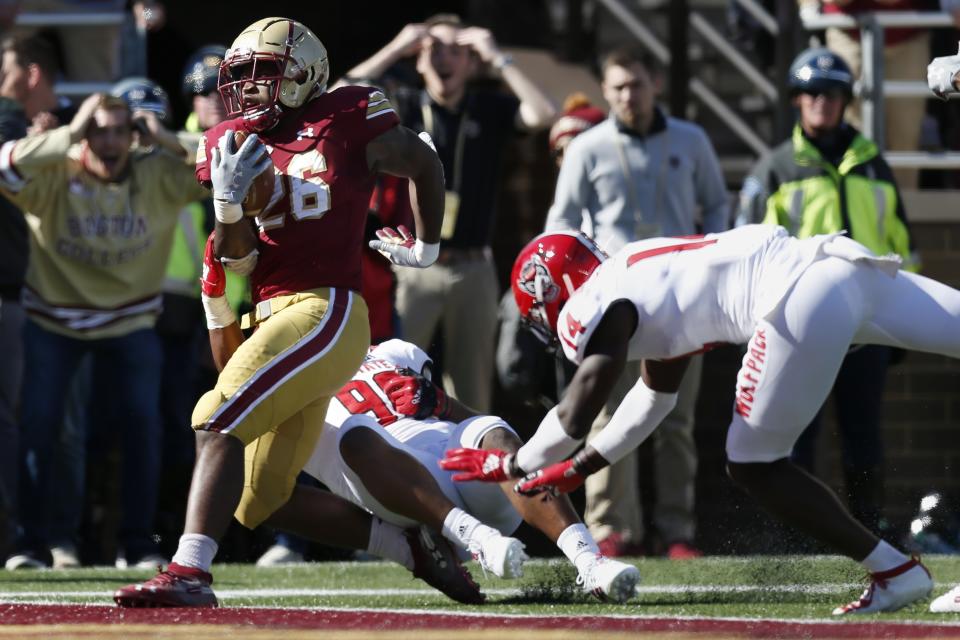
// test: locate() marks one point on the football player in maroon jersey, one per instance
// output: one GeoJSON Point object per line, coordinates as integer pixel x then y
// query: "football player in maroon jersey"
{"type": "Point", "coordinates": [259, 425]}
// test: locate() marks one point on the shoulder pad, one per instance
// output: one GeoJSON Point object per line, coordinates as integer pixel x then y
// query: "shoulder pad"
{"type": "Point", "coordinates": [578, 320]}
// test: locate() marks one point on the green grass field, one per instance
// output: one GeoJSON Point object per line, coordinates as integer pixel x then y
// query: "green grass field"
{"type": "Point", "coordinates": [792, 587]}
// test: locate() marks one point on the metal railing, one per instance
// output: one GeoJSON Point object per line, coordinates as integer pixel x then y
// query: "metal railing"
{"type": "Point", "coordinates": [84, 19]}
{"type": "Point", "coordinates": [872, 88]}
{"type": "Point", "coordinates": [704, 93]}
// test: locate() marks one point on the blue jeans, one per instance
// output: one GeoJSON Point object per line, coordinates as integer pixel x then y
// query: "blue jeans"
{"type": "Point", "coordinates": [124, 403]}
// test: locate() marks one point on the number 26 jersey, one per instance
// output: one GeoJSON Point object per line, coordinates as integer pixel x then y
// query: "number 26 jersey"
{"type": "Point", "coordinates": [312, 234]}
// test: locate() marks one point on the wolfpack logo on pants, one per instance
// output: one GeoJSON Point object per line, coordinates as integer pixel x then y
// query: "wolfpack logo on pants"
{"type": "Point", "coordinates": [751, 372]}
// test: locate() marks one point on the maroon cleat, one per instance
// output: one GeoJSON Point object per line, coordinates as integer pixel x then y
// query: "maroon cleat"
{"type": "Point", "coordinates": [178, 586]}
{"type": "Point", "coordinates": [435, 562]}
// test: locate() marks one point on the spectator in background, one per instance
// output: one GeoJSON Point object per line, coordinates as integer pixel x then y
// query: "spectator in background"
{"type": "Point", "coordinates": [13, 267]}
{"type": "Point", "coordinates": [470, 128]}
{"type": "Point", "coordinates": [30, 68]}
{"type": "Point", "coordinates": [826, 178]}
{"type": "Point", "coordinates": [906, 51]}
{"type": "Point", "coordinates": [642, 174]}
{"type": "Point", "coordinates": [524, 369]}
{"type": "Point", "coordinates": [98, 247]}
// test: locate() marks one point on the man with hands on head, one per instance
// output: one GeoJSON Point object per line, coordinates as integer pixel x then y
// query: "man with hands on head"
{"type": "Point", "coordinates": [471, 127]}
{"type": "Point", "coordinates": [257, 428]}
{"type": "Point", "coordinates": [102, 220]}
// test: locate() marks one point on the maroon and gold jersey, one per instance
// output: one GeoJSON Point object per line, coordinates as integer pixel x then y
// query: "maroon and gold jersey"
{"type": "Point", "coordinates": [312, 235]}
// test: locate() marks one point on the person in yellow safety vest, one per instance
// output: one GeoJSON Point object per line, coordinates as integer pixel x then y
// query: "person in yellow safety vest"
{"type": "Point", "coordinates": [827, 178]}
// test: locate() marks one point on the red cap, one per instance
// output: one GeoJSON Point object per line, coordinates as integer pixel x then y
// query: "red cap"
{"type": "Point", "coordinates": [578, 116]}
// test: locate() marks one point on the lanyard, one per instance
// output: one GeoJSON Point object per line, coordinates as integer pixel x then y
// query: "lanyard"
{"type": "Point", "coordinates": [643, 230]}
{"type": "Point", "coordinates": [428, 125]}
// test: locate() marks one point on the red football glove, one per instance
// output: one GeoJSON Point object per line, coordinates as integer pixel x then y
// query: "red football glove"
{"type": "Point", "coordinates": [557, 478]}
{"type": "Point", "coordinates": [213, 282]}
{"type": "Point", "coordinates": [485, 465]}
{"type": "Point", "coordinates": [415, 396]}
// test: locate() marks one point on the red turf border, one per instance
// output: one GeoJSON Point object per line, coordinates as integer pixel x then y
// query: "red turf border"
{"type": "Point", "coordinates": [30, 614]}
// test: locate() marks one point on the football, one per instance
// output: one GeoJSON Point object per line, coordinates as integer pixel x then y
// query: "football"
{"type": "Point", "coordinates": [261, 189]}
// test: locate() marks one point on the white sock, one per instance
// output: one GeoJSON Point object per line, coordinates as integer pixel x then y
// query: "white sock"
{"type": "Point", "coordinates": [883, 558]}
{"type": "Point", "coordinates": [463, 529]}
{"type": "Point", "coordinates": [578, 545]}
{"type": "Point", "coordinates": [195, 550]}
{"type": "Point", "coordinates": [387, 541]}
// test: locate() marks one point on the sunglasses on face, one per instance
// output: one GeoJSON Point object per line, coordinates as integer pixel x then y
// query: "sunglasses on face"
{"type": "Point", "coordinates": [830, 94]}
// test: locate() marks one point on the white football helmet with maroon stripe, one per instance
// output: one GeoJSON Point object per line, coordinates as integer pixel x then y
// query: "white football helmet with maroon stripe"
{"type": "Point", "coordinates": [280, 54]}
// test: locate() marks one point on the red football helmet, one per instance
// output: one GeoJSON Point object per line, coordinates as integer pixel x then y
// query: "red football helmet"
{"type": "Point", "coordinates": [547, 272]}
{"type": "Point", "coordinates": [277, 53]}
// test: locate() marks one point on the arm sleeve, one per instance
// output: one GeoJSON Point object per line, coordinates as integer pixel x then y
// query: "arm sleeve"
{"type": "Point", "coordinates": [32, 168]}
{"type": "Point", "coordinates": [570, 195]}
{"type": "Point", "coordinates": [641, 410]}
{"type": "Point", "coordinates": [33, 154]}
{"type": "Point", "coordinates": [711, 189]}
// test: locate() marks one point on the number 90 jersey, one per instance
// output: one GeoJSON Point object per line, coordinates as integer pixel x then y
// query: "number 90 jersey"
{"type": "Point", "coordinates": [365, 394]}
{"type": "Point", "coordinates": [312, 234]}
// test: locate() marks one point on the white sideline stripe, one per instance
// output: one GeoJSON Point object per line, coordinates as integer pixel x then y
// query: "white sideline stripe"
{"type": "Point", "coordinates": [294, 593]}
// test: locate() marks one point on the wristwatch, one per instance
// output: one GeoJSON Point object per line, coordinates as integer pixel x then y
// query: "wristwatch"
{"type": "Point", "coordinates": [502, 61]}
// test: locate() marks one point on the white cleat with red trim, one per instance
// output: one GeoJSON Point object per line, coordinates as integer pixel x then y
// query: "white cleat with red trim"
{"type": "Point", "coordinates": [500, 555]}
{"type": "Point", "coordinates": [948, 602]}
{"type": "Point", "coordinates": [892, 589]}
{"type": "Point", "coordinates": [609, 580]}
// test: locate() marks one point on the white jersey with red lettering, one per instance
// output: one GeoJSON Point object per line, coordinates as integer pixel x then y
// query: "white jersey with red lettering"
{"type": "Point", "coordinates": [690, 293]}
{"type": "Point", "coordinates": [365, 394]}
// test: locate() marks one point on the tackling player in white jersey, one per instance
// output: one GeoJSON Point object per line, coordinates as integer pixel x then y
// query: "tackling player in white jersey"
{"type": "Point", "coordinates": [391, 406]}
{"type": "Point", "coordinates": [798, 304]}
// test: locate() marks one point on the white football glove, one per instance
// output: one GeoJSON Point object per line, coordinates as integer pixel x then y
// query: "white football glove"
{"type": "Point", "coordinates": [232, 171]}
{"type": "Point", "coordinates": [401, 248]}
{"type": "Point", "coordinates": [940, 74]}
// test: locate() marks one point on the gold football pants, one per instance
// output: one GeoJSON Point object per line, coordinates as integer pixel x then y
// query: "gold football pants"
{"type": "Point", "coordinates": [274, 391]}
